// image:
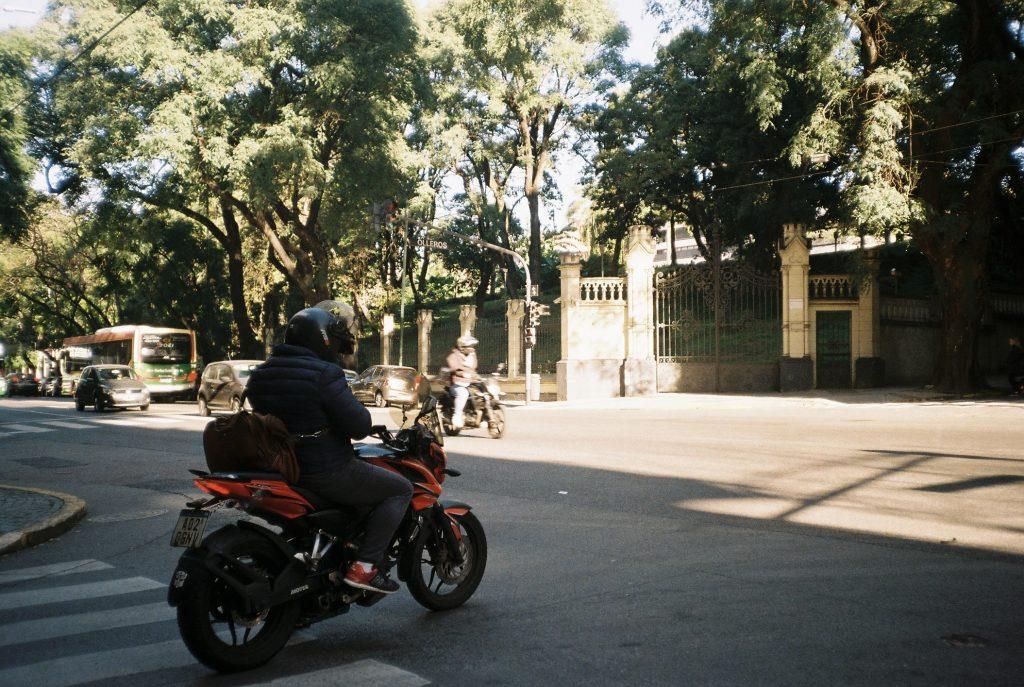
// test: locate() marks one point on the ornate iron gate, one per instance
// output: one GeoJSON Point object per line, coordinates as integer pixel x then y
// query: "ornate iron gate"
{"type": "Point", "coordinates": [722, 312]}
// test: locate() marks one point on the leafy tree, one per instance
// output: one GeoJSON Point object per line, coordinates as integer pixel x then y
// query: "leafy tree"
{"type": "Point", "coordinates": [535, 65]}
{"type": "Point", "coordinates": [919, 105]}
{"type": "Point", "coordinates": [701, 131]}
{"type": "Point", "coordinates": [70, 274]}
{"type": "Point", "coordinates": [280, 117]}
{"type": "Point", "coordinates": [15, 166]}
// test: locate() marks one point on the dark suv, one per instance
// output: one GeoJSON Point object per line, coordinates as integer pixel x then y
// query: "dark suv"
{"type": "Point", "coordinates": [222, 384]}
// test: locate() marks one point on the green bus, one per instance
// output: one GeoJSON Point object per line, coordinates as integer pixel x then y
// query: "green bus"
{"type": "Point", "coordinates": [162, 357]}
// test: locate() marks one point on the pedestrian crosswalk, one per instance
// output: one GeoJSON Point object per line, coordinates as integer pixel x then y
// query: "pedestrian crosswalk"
{"type": "Point", "coordinates": [47, 423]}
{"type": "Point", "coordinates": [84, 622]}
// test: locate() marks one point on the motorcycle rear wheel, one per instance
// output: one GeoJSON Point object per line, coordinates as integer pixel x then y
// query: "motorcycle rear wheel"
{"type": "Point", "coordinates": [211, 608]}
{"type": "Point", "coordinates": [448, 587]}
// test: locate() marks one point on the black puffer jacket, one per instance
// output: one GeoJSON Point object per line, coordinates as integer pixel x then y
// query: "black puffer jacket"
{"type": "Point", "coordinates": [309, 394]}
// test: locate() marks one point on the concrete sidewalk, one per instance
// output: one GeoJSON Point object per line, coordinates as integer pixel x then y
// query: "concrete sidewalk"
{"type": "Point", "coordinates": [29, 516]}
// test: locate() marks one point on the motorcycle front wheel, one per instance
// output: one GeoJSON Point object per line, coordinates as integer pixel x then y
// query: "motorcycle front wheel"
{"type": "Point", "coordinates": [216, 629]}
{"type": "Point", "coordinates": [496, 424]}
{"type": "Point", "coordinates": [437, 583]}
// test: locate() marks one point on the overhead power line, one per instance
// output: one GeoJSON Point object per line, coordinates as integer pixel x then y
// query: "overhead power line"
{"type": "Point", "coordinates": [969, 121]}
{"type": "Point", "coordinates": [81, 53]}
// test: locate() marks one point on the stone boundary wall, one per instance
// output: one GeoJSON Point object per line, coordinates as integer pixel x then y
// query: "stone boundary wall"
{"type": "Point", "coordinates": [700, 377]}
{"type": "Point", "coordinates": [911, 333]}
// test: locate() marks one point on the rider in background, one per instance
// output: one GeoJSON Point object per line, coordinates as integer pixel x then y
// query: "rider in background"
{"type": "Point", "coordinates": [461, 362]}
{"type": "Point", "coordinates": [303, 384]}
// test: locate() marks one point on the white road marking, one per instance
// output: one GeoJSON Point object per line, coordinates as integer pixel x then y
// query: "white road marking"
{"type": "Point", "coordinates": [91, 590]}
{"type": "Point", "coordinates": [82, 623]}
{"type": "Point", "coordinates": [68, 425]}
{"type": "Point", "coordinates": [15, 428]}
{"type": "Point", "coordinates": [367, 672]}
{"type": "Point", "coordinates": [67, 568]}
{"type": "Point", "coordinates": [120, 422]}
{"type": "Point", "coordinates": [161, 418]}
{"type": "Point", "coordinates": [107, 665]}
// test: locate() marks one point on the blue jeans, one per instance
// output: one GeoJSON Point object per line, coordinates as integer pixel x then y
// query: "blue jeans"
{"type": "Point", "coordinates": [360, 484]}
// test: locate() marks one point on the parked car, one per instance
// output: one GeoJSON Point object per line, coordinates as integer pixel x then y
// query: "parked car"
{"type": "Point", "coordinates": [350, 375]}
{"type": "Point", "coordinates": [3, 386]}
{"type": "Point", "coordinates": [51, 386]}
{"type": "Point", "coordinates": [222, 384]}
{"type": "Point", "coordinates": [19, 384]}
{"type": "Point", "coordinates": [110, 386]}
{"type": "Point", "coordinates": [385, 385]}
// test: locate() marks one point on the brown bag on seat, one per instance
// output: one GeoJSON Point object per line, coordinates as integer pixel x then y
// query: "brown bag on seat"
{"type": "Point", "coordinates": [248, 441]}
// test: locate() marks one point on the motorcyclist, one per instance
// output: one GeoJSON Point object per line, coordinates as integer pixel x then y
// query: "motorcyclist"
{"type": "Point", "coordinates": [461, 363]}
{"type": "Point", "coordinates": [303, 384]}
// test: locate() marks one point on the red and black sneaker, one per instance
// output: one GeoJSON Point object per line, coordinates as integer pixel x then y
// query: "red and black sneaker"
{"type": "Point", "coordinates": [372, 581]}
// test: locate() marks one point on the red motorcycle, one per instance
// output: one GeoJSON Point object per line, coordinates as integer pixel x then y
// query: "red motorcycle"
{"type": "Point", "coordinates": [241, 591]}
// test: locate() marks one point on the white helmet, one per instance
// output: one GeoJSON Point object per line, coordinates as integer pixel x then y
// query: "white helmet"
{"type": "Point", "coordinates": [468, 341]}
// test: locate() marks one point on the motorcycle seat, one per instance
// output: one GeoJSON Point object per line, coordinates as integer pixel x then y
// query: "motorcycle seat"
{"type": "Point", "coordinates": [318, 502]}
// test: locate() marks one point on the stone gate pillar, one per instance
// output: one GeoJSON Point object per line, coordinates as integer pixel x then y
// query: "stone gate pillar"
{"type": "Point", "coordinates": [868, 365]}
{"type": "Point", "coordinates": [639, 369]}
{"type": "Point", "coordinates": [424, 323]}
{"type": "Point", "coordinates": [467, 319]}
{"type": "Point", "coordinates": [796, 370]}
{"type": "Point", "coordinates": [387, 329]}
{"type": "Point", "coordinates": [515, 312]}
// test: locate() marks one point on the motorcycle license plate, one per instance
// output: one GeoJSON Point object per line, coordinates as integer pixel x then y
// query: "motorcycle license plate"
{"type": "Point", "coordinates": [188, 533]}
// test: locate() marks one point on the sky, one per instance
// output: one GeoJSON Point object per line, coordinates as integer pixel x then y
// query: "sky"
{"type": "Point", "coordinates": [644, 37]}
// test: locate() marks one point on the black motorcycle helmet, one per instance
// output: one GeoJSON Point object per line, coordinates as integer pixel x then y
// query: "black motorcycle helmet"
{"type": "Point", "coordinates": [327, 329]}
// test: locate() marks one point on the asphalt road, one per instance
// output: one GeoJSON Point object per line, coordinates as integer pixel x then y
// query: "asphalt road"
{"type": "Point", "coordinates": [680, 540]}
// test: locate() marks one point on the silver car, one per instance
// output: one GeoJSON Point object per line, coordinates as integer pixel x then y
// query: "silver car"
{"type": "Point", "coordinates": [110, 386]}
{"type": "Point", "coordinates": [385, 385]}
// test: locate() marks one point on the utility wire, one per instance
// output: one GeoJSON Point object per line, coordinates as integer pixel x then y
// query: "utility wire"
{"type": "Point", "coordinates": [923, 157]}
{"type": "Point", "coordinates": [81, 53]}
{"type": "Point", "coordinates": [807, 175]}
{"type": "Point", "coordinates": [969, 121]}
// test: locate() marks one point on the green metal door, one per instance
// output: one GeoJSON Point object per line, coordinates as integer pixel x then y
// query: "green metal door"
{"type": "Point", "coordinates": [833, 349]}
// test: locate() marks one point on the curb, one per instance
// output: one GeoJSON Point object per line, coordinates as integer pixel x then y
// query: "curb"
{"type": "Point", "coordinates": [54, 526]}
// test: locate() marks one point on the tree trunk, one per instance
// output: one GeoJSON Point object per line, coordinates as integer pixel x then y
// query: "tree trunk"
{"type": "Point", "coordinates": [480, 295]}
{"type": "Point", "coordinates": [962, 296]}
{"type": "Point", "coordinates": [248, 344]}
{"type": "Point", "coordinates": [672, 238]}
{"type": "Point", "coordinates": [533, 200]}
{"type": "Point", "coordinates": [962, 282]}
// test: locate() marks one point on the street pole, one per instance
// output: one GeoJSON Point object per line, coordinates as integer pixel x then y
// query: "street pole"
{"type": "Point", "coordinates": [401, 306]}
{"type": "Point", "coordinates": [520, 260]}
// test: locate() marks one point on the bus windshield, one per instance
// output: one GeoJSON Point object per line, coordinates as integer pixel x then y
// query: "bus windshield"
{"type": "Point", "coordinates": [166, 348]}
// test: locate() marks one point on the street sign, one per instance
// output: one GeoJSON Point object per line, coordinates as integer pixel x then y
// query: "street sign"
{"type": "Point", "coordinates": [431, 243]}
{"type": "Point", "coordinates": [534, 290]}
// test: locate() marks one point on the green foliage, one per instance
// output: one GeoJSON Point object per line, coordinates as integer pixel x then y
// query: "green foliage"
{"type": "Point", "coordinates": [283, 116]}
{"type": "Point", "coordinates": [530, 68]}
{"type": "Point", "coordinates": [700, 131]}
{"type": "Point", "coordinates": [70, 274]}
{"type": "Point", "coordinates": [15, 166]}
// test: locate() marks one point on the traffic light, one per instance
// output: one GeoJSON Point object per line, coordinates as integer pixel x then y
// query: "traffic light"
{"type": "Point", "coordinates": [530, 337]}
